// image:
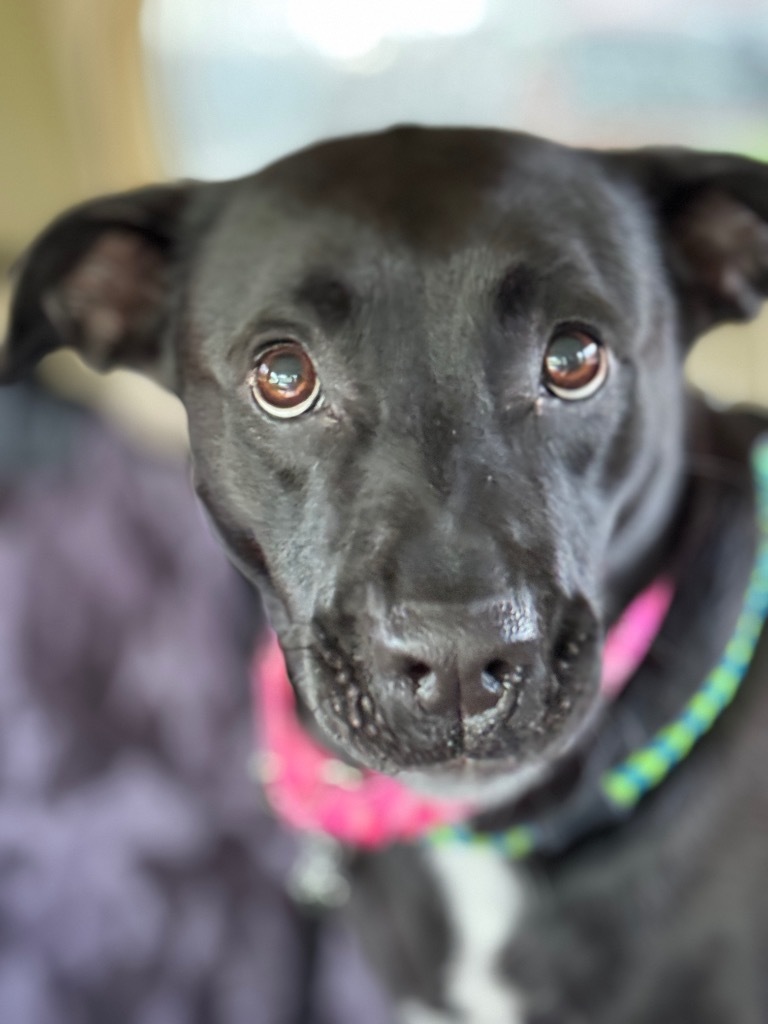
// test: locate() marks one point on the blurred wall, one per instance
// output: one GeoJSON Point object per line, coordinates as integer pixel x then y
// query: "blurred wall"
{"type": "Point", "coordinates": [73, 118]}
{"type": "Point", "coordinates": [74, 123]}
{"type": "Point", "coordinates": [37, 159]}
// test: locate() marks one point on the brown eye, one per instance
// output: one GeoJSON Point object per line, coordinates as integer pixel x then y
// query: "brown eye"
{"type": "Point", "coordinates": [284, 381]}
{"type": "Point", "coordinates": [575, 365]}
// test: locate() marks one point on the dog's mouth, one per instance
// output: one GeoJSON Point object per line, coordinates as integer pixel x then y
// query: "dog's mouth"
{"type": "Point", "coordinates": [541, 711]}
{"type": "Point", "coordinates": [489, 781]}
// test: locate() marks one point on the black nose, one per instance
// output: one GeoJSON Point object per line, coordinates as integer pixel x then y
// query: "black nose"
{"type": "Point", "coordinates": [457, 661]}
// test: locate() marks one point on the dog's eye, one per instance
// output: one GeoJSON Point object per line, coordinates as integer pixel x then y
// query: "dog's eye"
{"type": "Point", "coordinates": [575, 365]}
{"type": "Point", "coordinates": [284, 381]}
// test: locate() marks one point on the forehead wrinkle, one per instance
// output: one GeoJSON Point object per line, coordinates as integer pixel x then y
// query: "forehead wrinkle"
{"type": "Point", "coordinates": [326, 295]}
{"type": "Point", "coordinates": [577, 283]}
{"type": "Point", "coordinates": [517, 291]}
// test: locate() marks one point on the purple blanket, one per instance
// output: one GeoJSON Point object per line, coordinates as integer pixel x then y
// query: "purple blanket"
{"type": "Point", "coordinates": [141, 879]}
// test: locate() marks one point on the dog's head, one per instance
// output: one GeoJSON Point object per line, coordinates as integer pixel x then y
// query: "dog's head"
{"type": "Point", "coordinates": [433, 380]}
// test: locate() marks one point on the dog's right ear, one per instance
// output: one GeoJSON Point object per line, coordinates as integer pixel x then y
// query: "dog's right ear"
{"type": "Point", "coordinates": [102, 280]}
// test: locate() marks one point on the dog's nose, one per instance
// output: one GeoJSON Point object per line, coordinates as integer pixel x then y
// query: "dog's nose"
{"type": "Point", "coordinates": [457, 663]}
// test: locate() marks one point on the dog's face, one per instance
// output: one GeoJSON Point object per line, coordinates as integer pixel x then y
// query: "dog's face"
{"type": "Point", "coordinates": [433, 380]}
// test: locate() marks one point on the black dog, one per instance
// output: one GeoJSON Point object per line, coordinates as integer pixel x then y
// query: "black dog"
{"type": "Point", "coordinates": [436, 409]}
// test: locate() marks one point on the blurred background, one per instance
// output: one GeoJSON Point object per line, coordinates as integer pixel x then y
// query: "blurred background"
{"type": "Point", "coordinates": [98, 95]}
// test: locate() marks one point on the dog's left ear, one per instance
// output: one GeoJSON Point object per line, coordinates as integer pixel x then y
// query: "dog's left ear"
{"type": "Point", "coordinates": [713, 215]}
{"type": "Point", "coordinates": [101, 279]}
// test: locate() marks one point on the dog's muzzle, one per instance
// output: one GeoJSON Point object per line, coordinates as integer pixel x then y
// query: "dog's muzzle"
{"type": "Point", "coordinates": [427, 684]}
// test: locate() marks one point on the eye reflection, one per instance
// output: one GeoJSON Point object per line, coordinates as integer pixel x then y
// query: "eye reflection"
{"type": "Point", "coordinates": [575, 365]}
{"type": "Point", "coordinates": [284, 381]}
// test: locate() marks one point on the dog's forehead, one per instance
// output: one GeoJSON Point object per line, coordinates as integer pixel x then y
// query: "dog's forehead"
{"type": "Point", "coordinates": [431, 187]}
{"type": "Point", "coordinates": [435, 188]}
{"type": "Point", "coordinates": [436, 211]}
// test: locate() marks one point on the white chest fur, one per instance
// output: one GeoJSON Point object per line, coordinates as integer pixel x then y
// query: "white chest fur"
{"type": "Point", "coordinates": [484, 901]}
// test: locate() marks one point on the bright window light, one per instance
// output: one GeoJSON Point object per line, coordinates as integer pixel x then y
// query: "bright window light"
{"type": "Point", "coordinates": [347, 29]}
{"type": "Point", "coordinates": [336, 29]}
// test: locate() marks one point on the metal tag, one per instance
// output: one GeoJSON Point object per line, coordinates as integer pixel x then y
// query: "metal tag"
{"type": "Point", "coordinates": [318, 878]}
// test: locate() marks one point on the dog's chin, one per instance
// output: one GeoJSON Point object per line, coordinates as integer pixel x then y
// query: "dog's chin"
{"type": "Point", "coordinates": [485, 780]}
{"type": "Point", "coordinates": [482, 784]}
{"type": "Point", "coordinates": [486, 783]}
{"type": "Point", "coordinates": [492, 759]}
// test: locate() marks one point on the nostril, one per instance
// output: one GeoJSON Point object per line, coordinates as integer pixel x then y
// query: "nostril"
{"type": "Point", "coordinates": [499, 675]}
{"type": "Point", "coordinates": [442, 689]}
{"type": "Point", "coordinates": [497, 672]}
{"type": "Point", "coordinates": [416, 671]}
{"type": "Point", "coordinates": [429, 686]}
{"type": "Point", "coordinates": [491, 681]}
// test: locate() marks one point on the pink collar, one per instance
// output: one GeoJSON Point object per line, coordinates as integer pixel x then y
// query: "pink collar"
{"type": "Point", "coordinates": [310, 789]}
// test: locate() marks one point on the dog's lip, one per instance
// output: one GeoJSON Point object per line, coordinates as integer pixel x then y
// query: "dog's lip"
{"type": "Point", "coordinates": [482, 768]}
{"type": "Point", "coordinates": [487, 782]}
{"type": "Point", "coordinates": [479, 782]}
